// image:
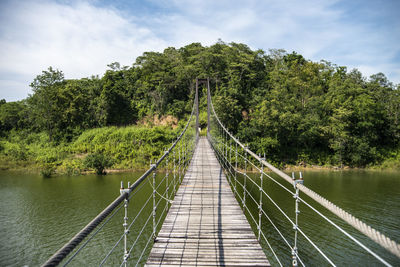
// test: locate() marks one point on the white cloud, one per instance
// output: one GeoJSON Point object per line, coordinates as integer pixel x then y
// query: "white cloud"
{"type": "Point", "coordinates": [317, 29]}
{"type": "Point", "coordinates": [80, 40]}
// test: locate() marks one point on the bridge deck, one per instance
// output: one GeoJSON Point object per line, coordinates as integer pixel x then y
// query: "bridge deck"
{"type": "Point", "coordinates": [205, 225]}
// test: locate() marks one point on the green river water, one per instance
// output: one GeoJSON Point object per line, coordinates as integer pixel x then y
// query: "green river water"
{"type": "Point", "coordinates": [37, 216]}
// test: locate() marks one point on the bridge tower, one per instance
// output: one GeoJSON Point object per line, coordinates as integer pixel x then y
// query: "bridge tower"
{"type": "Point", "coordinates": [207, 83]}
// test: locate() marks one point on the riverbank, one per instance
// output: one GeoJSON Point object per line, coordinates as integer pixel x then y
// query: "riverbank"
{"type": "Point", "coordinates": [394, 166]}
{"type": "Point", "coordinates": [80, 169]}
{"type": "Point", "coordinates": [126, 148]}
{"type": "Point", "coordinates": [390, 164]}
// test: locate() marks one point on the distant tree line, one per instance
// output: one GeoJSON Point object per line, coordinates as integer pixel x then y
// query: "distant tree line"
{"type": "Point", "coordinates": [281, 104]}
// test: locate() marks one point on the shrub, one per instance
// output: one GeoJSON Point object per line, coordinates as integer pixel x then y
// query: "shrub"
{"type": "Point", "coordinates": [16, 151]}
{"type": "Point", "coordinates": [99, 162]}
{"type": "Point", "coordinates": [47, 170]}
{"type": "Point", "coordinates": [72, 167]}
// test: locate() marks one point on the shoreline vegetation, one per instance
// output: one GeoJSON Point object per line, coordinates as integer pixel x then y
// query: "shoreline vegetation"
{"type": "Point", "coordinates": [297, 112]}
{"type": "Point", "coordinates": [124, 149]}
{"type": "Point", "coordinates": [37, 169]}
{"type": "Point", "coordinates": [129, 149]}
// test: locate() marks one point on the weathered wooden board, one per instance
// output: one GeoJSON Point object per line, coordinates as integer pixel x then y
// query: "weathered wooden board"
{"type": "Point", "coordinates": [205, 225]}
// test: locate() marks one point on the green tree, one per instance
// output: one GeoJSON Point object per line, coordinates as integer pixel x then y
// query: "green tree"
{"type": "Point", "coordinates": [114, 101]}
{"type": "Point", "coordinates": [291, 108]}
{"type": "Point", "coordinates": [44, 101]}
{"type": "Point", "coordinates": [13, 115]}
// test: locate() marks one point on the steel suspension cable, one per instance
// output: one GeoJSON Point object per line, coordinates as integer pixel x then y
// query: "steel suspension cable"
{"type": "Point", "coordinates": [346, 233]}
{"type": "Point", "coordinates": [92, 236]}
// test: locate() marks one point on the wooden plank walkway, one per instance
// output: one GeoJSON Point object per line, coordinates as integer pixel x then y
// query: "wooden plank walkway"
{"type": "Point", "coordinates": [205, 225]}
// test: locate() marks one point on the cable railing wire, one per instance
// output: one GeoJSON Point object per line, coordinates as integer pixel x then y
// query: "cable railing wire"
{"type": "Point", "coordinates": [258, 169]}
{"type": "Point", "coordinates": [62, 253]}
{"type": "Point", "coordinates": [134, 220]}
{"type": "Point", "coordinates": [226, 162]}
{"type": "Point", "coordinates": [285, 215]}
{"type": "Point", "coordinates": [141, 232]}
{"type": "Point", "coordinates": [221, 147]}
{"type": "Point", "coordinates": [339, 228]}
{"type": "Point", "coordinates": [254, 200]}
{"type": "Point", "coordinates": [129, 227]}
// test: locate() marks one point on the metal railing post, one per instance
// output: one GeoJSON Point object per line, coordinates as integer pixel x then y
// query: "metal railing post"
{"type": "Point", "coordinates": [196, 99]}
{"type": "Point", "coordinates": [180, 162]}
{"type": "Point", "coordinates": [260, 203]}
{"type": "Point", "coordinates": [220, 135]}
{"type": "Point", "coordinates": [184, 156]}
{"type": "Point", "coordinates": [125, 224]}
{"type": "Point", "coordinates": [245, 176]}
{"type": "Point", "coordinates": [297, 211]}
{"type": "Point", "coordinates": [222, 140]}
{"type": "Point", "coordinates": [167, 181]}
{"type": "Point", "coordinates": [174, 173]}
{"type": "Point", "coordinates": [208, 106]}
{"type": "Point", "coordinates": [230, 154]}
{"type": "Point", "coordinates": [226, 150]}
{"type": "Point", "coordinates": [154, 204]}
{"type": "Point", "coordinates": [223, 146]}
{"type": "Point", "coordinates": [187, 155]}
{"type": "Point", "coordinates": [236, 166]}
{"type": "Point", "coordinates": [230, 161]}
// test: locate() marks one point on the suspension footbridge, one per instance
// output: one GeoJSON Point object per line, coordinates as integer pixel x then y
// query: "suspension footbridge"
{"type": "Point", "coordinates": [205, 225]}
{"type": "Point", "coordinates": [199, 211]}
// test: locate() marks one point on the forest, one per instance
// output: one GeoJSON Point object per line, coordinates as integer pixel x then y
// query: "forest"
{"type": "Point", "coordinates": [296, 111]}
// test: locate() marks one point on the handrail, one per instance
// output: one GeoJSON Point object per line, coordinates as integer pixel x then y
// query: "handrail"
{"type": "Point", "coordinates": [367, 230]}
{"type": "Point", "coordinates": [62, 253]}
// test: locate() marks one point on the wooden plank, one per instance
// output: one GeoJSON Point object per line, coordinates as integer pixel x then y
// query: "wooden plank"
{"type": "Point", "coordinates": [205, 225]}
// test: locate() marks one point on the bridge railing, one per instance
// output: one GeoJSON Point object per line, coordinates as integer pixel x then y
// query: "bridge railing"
{"type": "Point", "coordinates": [247, 173]}
{"type": "Point", "coordinates": [154, 194]}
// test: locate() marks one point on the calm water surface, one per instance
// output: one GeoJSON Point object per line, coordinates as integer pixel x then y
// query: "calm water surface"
{"type": "Point", "coordinates": [37, 215]}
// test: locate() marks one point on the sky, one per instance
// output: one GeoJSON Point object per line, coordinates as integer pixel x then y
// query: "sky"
{"type": "Point", "coordinates": [81, 37]}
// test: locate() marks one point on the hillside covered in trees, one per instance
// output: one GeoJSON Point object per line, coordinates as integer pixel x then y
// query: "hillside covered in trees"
{"type": "Point", "coordinates": [294, 110]}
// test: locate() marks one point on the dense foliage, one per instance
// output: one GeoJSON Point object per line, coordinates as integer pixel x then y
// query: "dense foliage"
{"type": "Point", "coordinates": [294, 110]}
{"type": "Point", "coordinates": [130, 147]}
{"type": "Point", "coordinates": [98, 161]}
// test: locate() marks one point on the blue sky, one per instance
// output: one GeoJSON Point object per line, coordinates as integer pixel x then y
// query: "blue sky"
{"type": "Point", "coordinates": [80, 37]}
